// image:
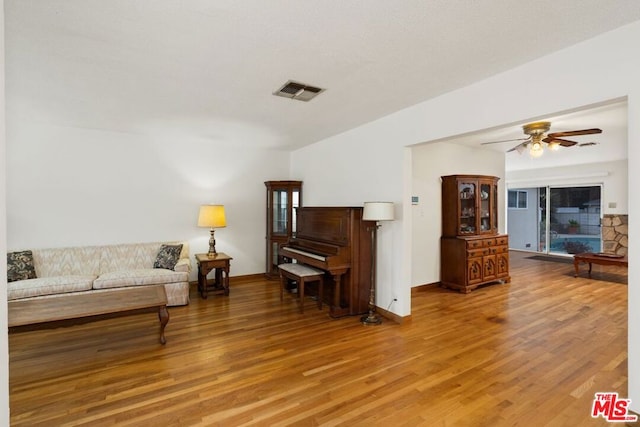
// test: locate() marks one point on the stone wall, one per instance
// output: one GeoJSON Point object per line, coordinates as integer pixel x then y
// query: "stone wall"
{"type": "Point", "coordinates": [615, 234]}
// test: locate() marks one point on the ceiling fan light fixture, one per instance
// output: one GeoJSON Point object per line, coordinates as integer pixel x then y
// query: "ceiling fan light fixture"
{"type": "Point", "coordinates": [536, 129]}
{"type": "Point", "coordinates": [537, 135]}
{"type": "Point", "coordinates": [536, 149]}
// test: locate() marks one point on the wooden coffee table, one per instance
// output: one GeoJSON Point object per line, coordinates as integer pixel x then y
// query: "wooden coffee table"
{"type": "Point", "coordinates": [600, 259]}
{"type": "Point", "coordinates": [32, 314]}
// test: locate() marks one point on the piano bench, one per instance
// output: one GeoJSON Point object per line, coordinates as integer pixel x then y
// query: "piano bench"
{"type": "Point", "coordinates": [302, 274]}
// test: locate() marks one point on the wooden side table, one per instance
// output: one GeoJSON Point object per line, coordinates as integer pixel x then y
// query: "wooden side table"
{"type": "Point", "coordinates": [220, 263]}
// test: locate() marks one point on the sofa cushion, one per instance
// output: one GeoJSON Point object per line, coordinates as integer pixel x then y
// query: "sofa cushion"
{"type": "Point", "coordinates": [20, 266]}
{"type": "Point", "coordinates": [132, 256]}
{"type": "Point", "coordinates": [48, 286]}
{"type": "Point", "coordinates": [141, 277]}
{"type": "Point", "coordinates": [168, 256]}
{"type": "Point", "coordinates": [183, 264]}
{"type": "Point", "coordinates": [72, 261]}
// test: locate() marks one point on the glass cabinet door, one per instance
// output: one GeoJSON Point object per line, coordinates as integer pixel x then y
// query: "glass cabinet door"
{"type": "Point", "coordinates": [469, 205]}
{"type": "Point", "coordinates": [467, 222]}
{"type": "Point", "coordinates": [494, 202]}
{"type": "Point", "coordinates": [283, 197]}
{"type": "Point", "coordinates": [279, 210]}
{"type": "Point", "coordinates": [295, 203]}
{"type": "Point", "coordinates": [486, 208]}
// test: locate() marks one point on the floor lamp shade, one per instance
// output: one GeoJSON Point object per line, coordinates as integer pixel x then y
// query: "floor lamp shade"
{"type": "Point", "coordinates": [378, 211]}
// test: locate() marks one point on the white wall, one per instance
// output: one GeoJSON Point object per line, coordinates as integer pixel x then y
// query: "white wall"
{"type": "Point", "coordinates": [430, 162]}
{"type": "Point", "coordinates": [4, 339]}
{"type": "Point", "coordinates": [519, 221]}
{"type": "Point", "coordinates": [348, 175]}
{"type": "Point", "coordinates": [592, 72]}
{"type": "Point", "coordinates": [612, 175]}
{"type": "Point", "coordinates": [73, 187]}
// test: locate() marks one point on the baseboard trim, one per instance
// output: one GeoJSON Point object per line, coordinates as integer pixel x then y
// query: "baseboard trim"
{"type": "Point", "coordinates": [420, 288]}
{"type": "Point", "coordinates": [401, 320]}
{"type": "Point", "coordinates": [247, 278]}
{"type": "Point", "coordinates": [236, 280]}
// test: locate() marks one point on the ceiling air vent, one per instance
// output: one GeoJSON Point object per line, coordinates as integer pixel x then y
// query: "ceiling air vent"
{"type": "Point", "coordinates": [299, 91]}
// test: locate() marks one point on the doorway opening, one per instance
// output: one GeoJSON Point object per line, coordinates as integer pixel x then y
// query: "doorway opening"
{"type": "Point", "coordinates": [555, 220]}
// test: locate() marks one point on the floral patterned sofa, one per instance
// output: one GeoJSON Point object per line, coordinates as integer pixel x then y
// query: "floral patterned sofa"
{"type": "Point", "coordinates": [45, 273]}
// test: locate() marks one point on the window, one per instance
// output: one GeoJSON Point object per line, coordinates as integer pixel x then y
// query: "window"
{"type": "Point", "coordinates": [517, 199]}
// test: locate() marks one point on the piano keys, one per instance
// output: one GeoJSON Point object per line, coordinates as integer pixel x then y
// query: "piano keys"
{"type": "Point", "coordinates": [318, 257]}
{"type": "Point", "coordinates": [337, 240]}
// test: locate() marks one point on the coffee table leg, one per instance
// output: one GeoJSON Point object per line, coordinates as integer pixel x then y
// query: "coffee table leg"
{"type": "Point", "coordinates": [576, 266]}
{"type": "Point", "coordinates": [589, 270]}
{"type": "Point", "coordinates": [163, 314]}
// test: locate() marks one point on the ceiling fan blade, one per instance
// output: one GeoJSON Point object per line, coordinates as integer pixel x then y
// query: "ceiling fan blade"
{"type": "Point", "coordinates": [574, 133]}
{"type": "Point", "coordinates": [563, 142]}
{"type": "Point", "coordinates": [519, 148]}
{"type": "Point", "coordinates": [506, 140]}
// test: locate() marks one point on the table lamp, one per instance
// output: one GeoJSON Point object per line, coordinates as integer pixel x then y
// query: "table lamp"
{"type": "Point", "coordinates": [212, 216]}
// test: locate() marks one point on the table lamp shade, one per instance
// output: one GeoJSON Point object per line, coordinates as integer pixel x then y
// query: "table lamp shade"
{"type": "Point", "coordinates": [378, 211]}
{"type": "Point", "coordinates": [212, 216]}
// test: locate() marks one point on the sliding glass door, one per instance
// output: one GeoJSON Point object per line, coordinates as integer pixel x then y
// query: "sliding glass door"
{"type": "Point", "coordinates": [574, 220]}
{"type": "Point", "coordinates": [556, 220]}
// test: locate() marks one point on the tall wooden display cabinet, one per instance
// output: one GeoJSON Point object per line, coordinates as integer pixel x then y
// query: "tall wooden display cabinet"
{"type": "Point", "coordinates": [472, 253]}
{"type": "Point", "coordinates": [282, 198]}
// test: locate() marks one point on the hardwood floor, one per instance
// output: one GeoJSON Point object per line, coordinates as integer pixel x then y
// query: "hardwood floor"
{"type": "Point", "coordinates": [529, 353]}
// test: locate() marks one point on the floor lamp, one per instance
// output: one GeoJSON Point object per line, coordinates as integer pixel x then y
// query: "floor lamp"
{"type": "Point", "coordinates": [375, 211]}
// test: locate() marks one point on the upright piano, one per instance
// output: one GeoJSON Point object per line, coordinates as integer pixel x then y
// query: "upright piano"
{"type": "Point", "coordinates": [337, 240]}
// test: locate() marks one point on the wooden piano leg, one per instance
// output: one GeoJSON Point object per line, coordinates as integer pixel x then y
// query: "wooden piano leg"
{"type": "Point", "coordinates": [320, 293]}
{"type": "Point", "coordinates": [336, 295]}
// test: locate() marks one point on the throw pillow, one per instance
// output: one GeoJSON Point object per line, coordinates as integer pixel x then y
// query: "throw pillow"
{"type": "Point", "coordinates": [20, 266]}
{"type": "Point", "coordinates": [168, 256]}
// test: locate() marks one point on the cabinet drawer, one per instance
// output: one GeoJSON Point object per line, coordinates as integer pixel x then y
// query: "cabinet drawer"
{"type": "Point", "coordinates": [499, 249]}
{"type": "Point", "coordinates": [488, 242]}
{"type": "Point", "coordinates": [473, 244]}
{"type": "Point", "coordinates": [473, 253]}
{"type": "Point", "coordinates": [502, 240]}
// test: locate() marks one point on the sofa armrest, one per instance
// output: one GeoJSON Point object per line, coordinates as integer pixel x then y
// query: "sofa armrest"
{"type": "Point", "coordinates": [183, 264]}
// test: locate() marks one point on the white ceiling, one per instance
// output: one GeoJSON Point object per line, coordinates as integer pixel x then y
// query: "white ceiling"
{"type": "Point", "coordinates": [206, 69]}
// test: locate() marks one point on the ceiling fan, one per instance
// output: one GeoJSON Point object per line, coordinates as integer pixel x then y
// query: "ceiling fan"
{"type": "Point", "coordinates": [536, 137]}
